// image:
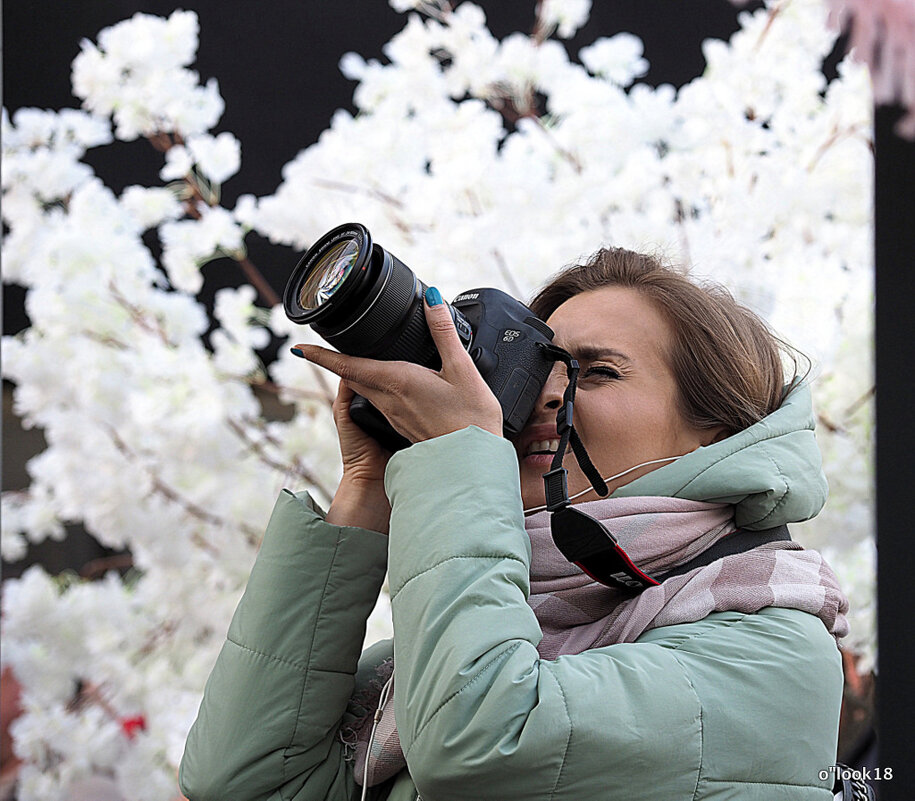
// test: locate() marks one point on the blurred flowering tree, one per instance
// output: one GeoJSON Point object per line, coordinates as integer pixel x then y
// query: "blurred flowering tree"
{"type": "Point", "coordinates": [478, 161]}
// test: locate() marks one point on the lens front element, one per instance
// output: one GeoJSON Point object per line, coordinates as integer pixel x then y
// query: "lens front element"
{"type": "Point", "coordinates": [328, 275]}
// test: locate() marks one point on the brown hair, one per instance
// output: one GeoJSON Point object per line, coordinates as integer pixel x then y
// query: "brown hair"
{"type": "Point", "coordinates": [726, 361]}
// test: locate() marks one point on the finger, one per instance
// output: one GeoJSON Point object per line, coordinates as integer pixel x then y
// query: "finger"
{"type": "Point", "coordinates": [345, 393]}
{"type": "Point", "coordinates": [341, 406]}
{"type": "Point", "coordinates": [352, 369]}
{"type": "Point", "coordinates": [444, 334]}
{"type": "Point", "coordinates": [344, 396]}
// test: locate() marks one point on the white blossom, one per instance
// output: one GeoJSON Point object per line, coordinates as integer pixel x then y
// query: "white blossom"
{"type": "Point", "coordinates": [13, 544]}
{"type": "Point", "coordinates": [32, 128]}
{"type": "Point", "coordinates": [187, 244]}
{"type": "Point", "coordinates": [478, 162]}
{"type": "Point", "coordinates": [567, 16]}
{"type": "Point", "coordinates": [404, 5]}
{"type": "Point", "coordinates": [199, 110]}
{"type": "Point", "coordinates": [235, 311]}
{"type": "Point", "coordinates": [178, 163]}
{"type": "Point", "coordinates": [150, 206]}
{"type": "Point", "coordinates": [245, 211]}
{"type": "Point", "coordinates": [137, 73]}
{"type": "Point", "coordinates": [217, 157]}
{"type": "Point", "coordinates": [617, 58]}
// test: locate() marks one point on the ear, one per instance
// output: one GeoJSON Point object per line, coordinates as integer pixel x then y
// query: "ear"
{"type": "Point", "coordinates": [713, 435]}
{"type": "Point", "coordinates": [708, 436]}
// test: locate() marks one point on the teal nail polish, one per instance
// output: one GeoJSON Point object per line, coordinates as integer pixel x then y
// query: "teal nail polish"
{"type": "Point", "coordinates": [433, 296]}
{"type": "Point", "coordinates": [298, 352]}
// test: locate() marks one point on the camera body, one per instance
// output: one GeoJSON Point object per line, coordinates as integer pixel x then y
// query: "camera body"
{"type": "Point", "coordinates": [506, 350]}
{"type": "Point", "coordinates": [365, 302]}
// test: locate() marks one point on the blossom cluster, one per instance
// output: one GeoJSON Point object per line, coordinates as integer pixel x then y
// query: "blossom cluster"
{"type": "Point", "coordinates": [478, 161]}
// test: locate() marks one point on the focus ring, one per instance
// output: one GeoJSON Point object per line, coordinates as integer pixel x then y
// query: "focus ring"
{"type": "Point", "coordinates": [386, 310]}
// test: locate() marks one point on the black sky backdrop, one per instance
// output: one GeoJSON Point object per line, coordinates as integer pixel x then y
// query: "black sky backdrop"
{"type": "Point", "coordinates": [277, 67]}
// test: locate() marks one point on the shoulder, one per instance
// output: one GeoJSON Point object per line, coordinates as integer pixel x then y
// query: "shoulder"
{"type": "Point", "coordinates": [735, 704]}
{"type": "Point", "coordinates": [769, 686]}
{"type": "Point", "coordinates": [773, 642]}
{"type": "Point", "coordinates": [770, 623]}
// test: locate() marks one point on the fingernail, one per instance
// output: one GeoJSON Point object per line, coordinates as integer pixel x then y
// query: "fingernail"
{"type": "Point", "coordinates": [433, 296]}
{"type": "Point", "coordinates": [298, 352]}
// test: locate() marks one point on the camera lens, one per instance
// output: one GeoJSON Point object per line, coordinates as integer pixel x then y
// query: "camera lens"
{"type": "Point", "coordinates": [328, 274]}
{"type": "Point", "coordinates": [361, 299]}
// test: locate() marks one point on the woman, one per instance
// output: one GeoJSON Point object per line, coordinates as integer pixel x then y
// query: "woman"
{"type": "Point", "coordinates": [517, 677]}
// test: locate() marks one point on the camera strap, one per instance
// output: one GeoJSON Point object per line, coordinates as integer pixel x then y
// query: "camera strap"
{"type": "Point", "coordinates": [586, 541]}
{"type": "Point", "coordinates": [555, 480]}
{"type": "Point", "coordinates": [582, 539]}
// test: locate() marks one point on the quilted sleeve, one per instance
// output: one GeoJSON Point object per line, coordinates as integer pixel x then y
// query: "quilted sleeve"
{"type": "Point", "coordinates": [480, 715]}
{"type": "Point", "coordinates": [736, 705]}
{"type": "Point", "coordinates": [267, 726]}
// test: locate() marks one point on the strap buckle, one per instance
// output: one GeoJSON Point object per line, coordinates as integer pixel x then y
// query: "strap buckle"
{"type": "Point", "coordinates": [556, 488]}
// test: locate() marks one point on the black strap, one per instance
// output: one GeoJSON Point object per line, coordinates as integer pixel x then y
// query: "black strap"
{"type": "Point", "coordinates": [620, 570]}
{"type": "Point", "coordinates": [736, 542]}
{"type": "Point", "coordinates": [554, 480]}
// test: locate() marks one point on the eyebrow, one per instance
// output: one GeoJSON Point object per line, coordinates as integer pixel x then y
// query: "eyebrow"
{"type": "Point", "coordinates": [591, 353]}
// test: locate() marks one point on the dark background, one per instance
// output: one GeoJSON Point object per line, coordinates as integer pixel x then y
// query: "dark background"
{"type": "Point", "coordinates": [276, 63]}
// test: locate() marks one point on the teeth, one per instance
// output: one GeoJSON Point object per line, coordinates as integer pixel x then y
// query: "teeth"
{"type": "Point", "coordinates": [544, 445]}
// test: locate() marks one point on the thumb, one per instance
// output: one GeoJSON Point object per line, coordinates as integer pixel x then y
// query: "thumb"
{"type": "Point", "coordinates": [444, 334]}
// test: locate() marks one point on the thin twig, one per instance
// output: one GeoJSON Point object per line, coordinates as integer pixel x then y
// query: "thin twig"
{"type": "Point", "coordinates": [256, 277]}
{"type": "Point", "coordinates": [773, 13]}
{"type": "Point", "coordinates": [98, 567]}
{"type": "Point", "coordinates": [297, 468]}
{"type": "Point", "coordinates": [681, 230]}
{"type": "Point", "coordinates": [835, 136]}
{"type": "Point", "coordinates": [506, 273]}
{"type": "Point", "coordinates": [139, 316]}
{"type": "Point", "coordinates": [830, 425]}
{"type": "Point", "coordinates": [865, 398]}
{"type": "Point", "coordinates": [104, 339]}
{"type": "Point", "coordinates": [568, 155]}
{"type": "Point", "coordinates": [161, 142]}
{"type": "Point", "coordinates": [506, 104]}
{"type": "Point", "coordinates": [370, 191]}
{"type": "Point", "coordinates": [188, 506]}
{"type": "Point", "coordinates": [276, 389]}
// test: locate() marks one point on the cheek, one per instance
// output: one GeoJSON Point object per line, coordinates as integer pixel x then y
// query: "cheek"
{"type": "Point", "coordinates": [624, 426]}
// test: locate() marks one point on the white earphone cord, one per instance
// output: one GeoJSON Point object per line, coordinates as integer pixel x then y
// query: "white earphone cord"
{"type": "Point", "coordinates": [382, 702]}
{"type": "Point", "coordinates": [608, 479]}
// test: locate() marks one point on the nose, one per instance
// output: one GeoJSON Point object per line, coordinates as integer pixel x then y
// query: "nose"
{"type": "Point", "coordinates": [550, 397]}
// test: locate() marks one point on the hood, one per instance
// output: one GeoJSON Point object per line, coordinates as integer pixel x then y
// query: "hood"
{"type": "Point", "coordinates": [771, 472]}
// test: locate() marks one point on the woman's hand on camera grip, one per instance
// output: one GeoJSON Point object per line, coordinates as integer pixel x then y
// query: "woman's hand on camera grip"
{"type": "Point", "coordinates": [364, 460]}
{"type": "Point", "coordinates": [421, 403]}
{"type": "Point", "coordinates": [360, 499]}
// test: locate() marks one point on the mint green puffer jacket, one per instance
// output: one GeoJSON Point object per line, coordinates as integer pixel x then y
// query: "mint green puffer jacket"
{"type": "Point", "coordinates": [734, 706]}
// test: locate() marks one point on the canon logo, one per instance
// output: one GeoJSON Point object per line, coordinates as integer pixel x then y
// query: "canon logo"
{"type": "Point", "coordinates": [624, 578]}
{"type": "Point", "coordinates": [468, 296]}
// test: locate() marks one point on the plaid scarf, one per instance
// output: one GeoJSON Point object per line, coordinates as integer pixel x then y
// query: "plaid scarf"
{"type": "Point", "coordinates": [577, 613]}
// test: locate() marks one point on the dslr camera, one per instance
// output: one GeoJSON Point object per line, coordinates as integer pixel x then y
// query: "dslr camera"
{"type": "Point", "coordinates": [364, 301]}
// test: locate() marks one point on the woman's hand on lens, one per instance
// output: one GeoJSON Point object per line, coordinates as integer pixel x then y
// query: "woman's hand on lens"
{"type": "Point", "coordinates": [360, 499]}
{"type": "Point", "coordinates": [421, 403]}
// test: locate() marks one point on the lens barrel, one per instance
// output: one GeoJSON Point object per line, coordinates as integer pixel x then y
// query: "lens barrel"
{"type": "Point", "coordinates": [360, 298]}
{"type": "Point", "coordinates": [365, 302]}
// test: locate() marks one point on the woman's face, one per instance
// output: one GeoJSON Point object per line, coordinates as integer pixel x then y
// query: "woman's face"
{"type": "Point", "coordinates": [626, 408]}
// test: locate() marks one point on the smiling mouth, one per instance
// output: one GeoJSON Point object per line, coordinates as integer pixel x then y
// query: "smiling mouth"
{"type": "Point", "coordinates": [547, 447]}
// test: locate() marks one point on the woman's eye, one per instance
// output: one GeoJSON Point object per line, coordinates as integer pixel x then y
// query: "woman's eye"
{"type": "Point", "coordinates": [605, 372]}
